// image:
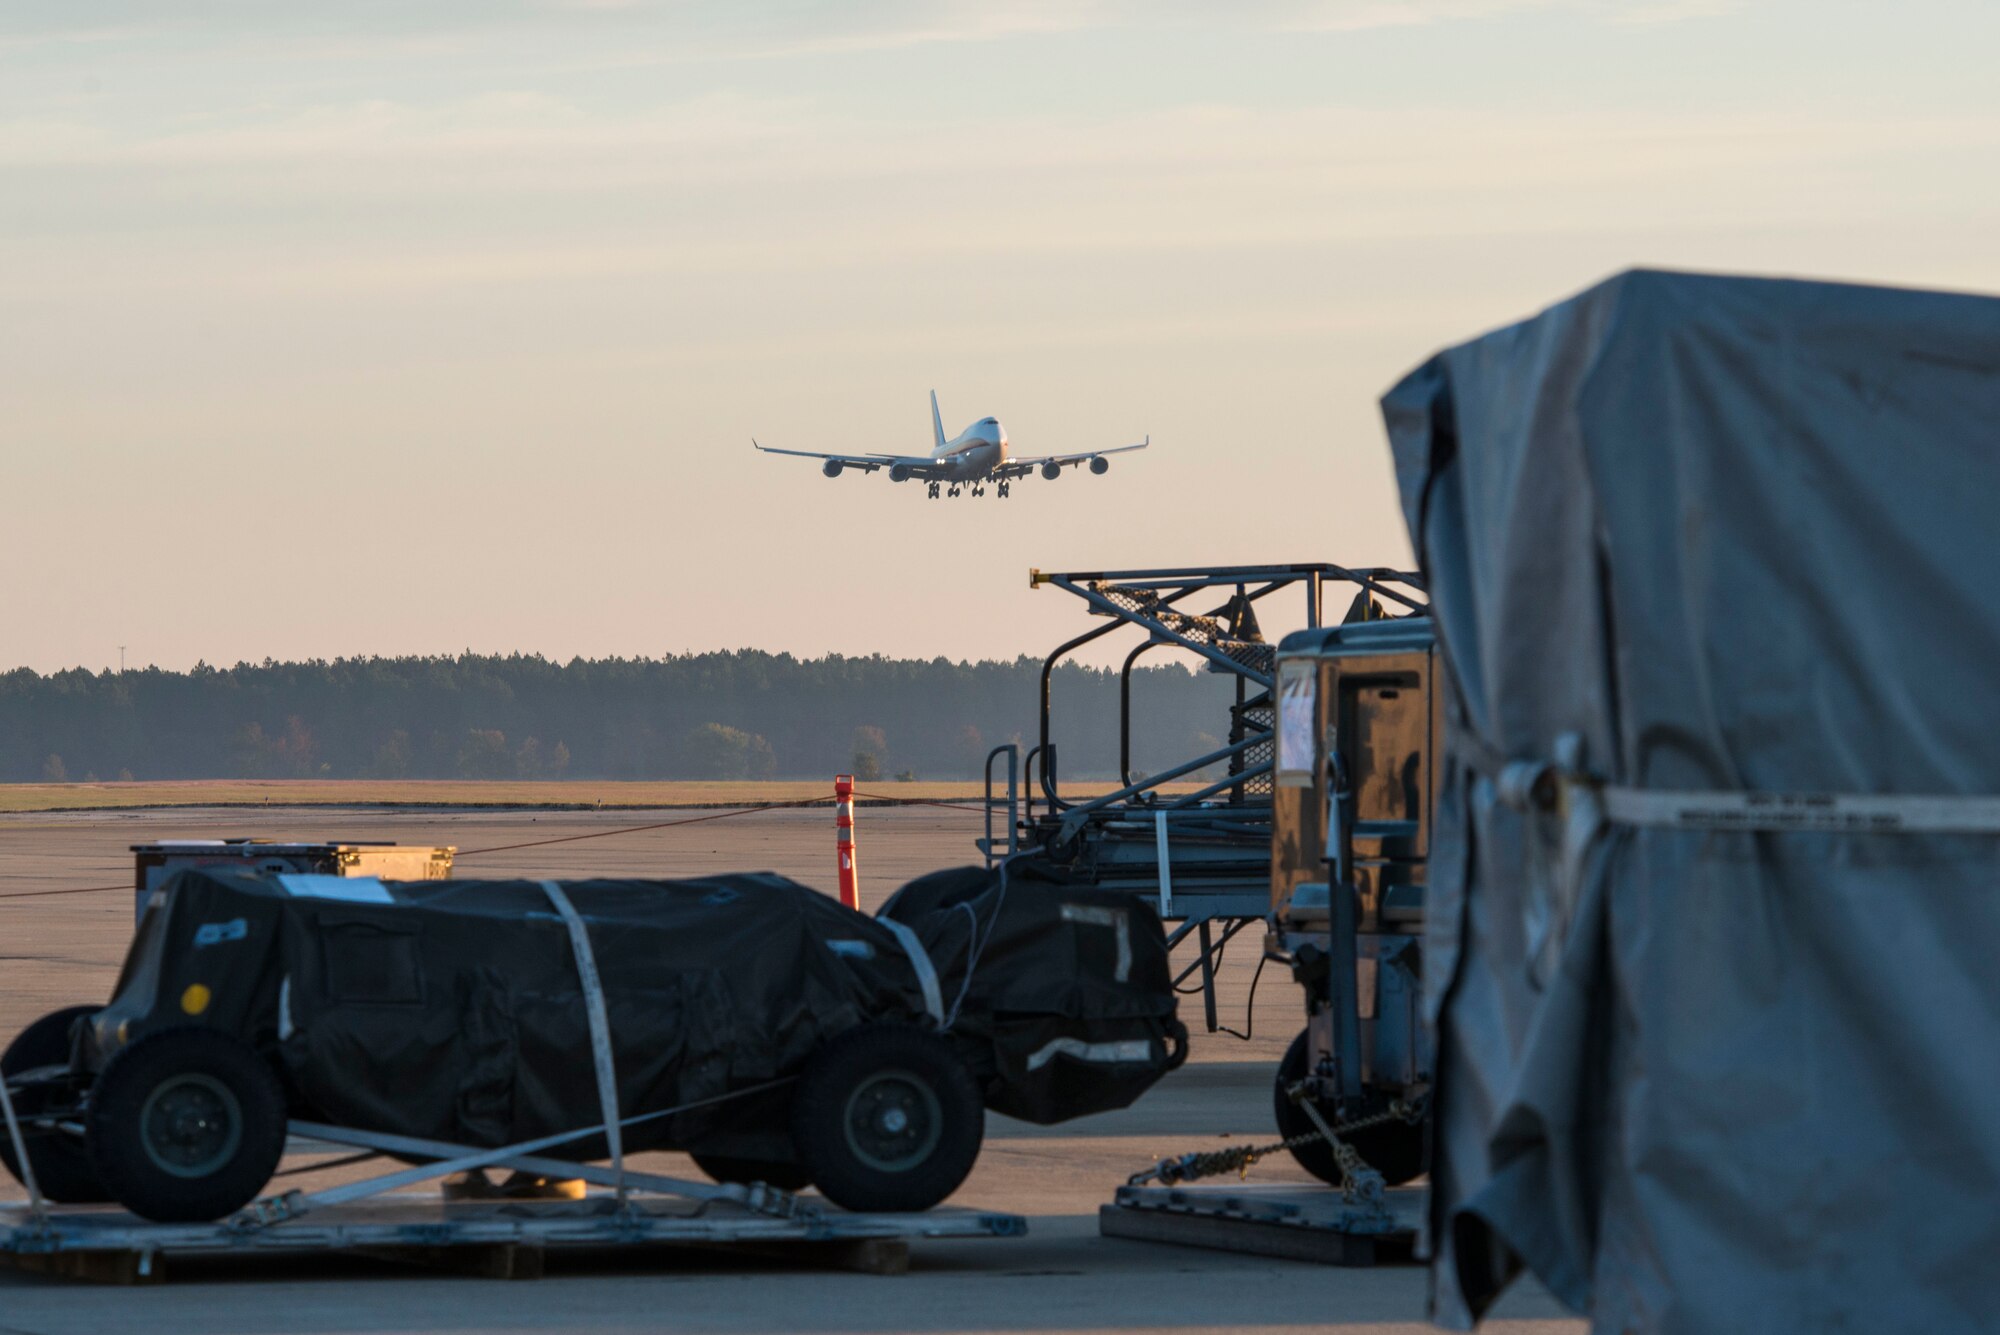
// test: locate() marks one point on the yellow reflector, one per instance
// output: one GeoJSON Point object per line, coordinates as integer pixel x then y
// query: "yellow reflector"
{"type": "Point", "coordinates": [195, 1000]}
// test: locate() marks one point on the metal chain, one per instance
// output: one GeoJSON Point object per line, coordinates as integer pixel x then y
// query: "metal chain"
{"type": "Point", "coordinates": [1237, 1159]}
{"type": "Point", "coordinates": [1356, 1177]}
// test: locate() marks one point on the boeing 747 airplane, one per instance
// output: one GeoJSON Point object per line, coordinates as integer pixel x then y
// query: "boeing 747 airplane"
{"type": "Point", "coordinates": [974, 457]}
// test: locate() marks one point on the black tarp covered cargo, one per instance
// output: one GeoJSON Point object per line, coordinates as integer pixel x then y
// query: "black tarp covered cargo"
{"type": "Point", "coordinates": [1071, 1004]}
{"type": "Point", "coordinates": [453, 1010]}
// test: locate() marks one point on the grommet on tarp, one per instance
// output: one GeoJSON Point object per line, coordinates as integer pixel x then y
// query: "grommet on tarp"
{"type": "Point", "coordinates": [843, 823]}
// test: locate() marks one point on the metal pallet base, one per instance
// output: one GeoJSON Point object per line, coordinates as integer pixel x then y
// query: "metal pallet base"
{"type": "Point", "coordinates": [1295, 1222]}
{"type": "Point", "coordinates": [496, 1239]}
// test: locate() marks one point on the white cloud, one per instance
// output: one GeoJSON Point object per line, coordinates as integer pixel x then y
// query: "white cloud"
{"type": "Point", "coordinates": [1668, 11]}
{"type": "Point", "coordinates": [1357, 15]}
{"type": "Point", "coordinates": [514, 190]}
{"type": "Point", "coordinates": [679, 31]}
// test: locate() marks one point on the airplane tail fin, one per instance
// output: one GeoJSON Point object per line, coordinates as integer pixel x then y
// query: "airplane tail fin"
{"type": "Point", "coordinates": [937, 423]}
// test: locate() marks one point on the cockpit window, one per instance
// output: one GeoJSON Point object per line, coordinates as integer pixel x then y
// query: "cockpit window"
{"type": "Point", "coordinates": [989, 421]}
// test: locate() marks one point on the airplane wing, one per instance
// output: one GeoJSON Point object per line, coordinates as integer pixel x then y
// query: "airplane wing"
{"type": "Point", "coordinates": [1022, 467]}
{"type": "Point", "coordinates": [918, 464]}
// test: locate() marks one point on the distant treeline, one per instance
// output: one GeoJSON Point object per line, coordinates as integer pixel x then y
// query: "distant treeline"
{"type": "Point", "coordinates": [698, 716]}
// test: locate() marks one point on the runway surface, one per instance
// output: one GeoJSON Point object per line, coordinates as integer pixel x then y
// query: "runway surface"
{"type": "Point", "coordinates": [64, 949]}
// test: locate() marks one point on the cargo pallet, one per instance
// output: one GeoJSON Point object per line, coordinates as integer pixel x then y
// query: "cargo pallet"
{"type": "Point", "coordinates": [495, 1239]}
{"type": "Point", "coordinates": [1292, 1221]}
{"type": "Point", "coordinates": [384, 1216]}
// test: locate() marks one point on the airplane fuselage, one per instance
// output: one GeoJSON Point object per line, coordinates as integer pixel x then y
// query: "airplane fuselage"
{"type": "Point", "coordinates": [974, 452]}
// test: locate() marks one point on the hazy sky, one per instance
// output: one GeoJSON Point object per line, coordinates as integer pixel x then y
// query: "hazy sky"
{"type": "Point", "coordinates": [419, 326]}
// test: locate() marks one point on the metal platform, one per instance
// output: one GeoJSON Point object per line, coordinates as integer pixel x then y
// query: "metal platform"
{"type": "Point", "coordinates": [1289, 1220]}
{"type": "Point", "coordinates": [501, 1239]}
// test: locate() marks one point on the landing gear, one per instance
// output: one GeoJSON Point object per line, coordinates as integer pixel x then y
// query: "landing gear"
{"type": "Point", "coordinates": [1003, 490]}
{"type": "Point", "coordinates": [978, 489]}
{"type": "Point", "coordinates": [953, 491]}
{"type": "Point", "coordinates": [934, 491]}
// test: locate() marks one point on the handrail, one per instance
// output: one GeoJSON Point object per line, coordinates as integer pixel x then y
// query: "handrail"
{"type": "Point", "coordinates": [1013, 754]}
{"type": "Point", "coordinates": [1073, 818]}
{"type": "Point", "coordinates": [1048, 670]}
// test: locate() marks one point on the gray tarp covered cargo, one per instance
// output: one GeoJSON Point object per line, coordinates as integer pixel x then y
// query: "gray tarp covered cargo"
{"type": "Point", "coordinates": [1736, 535]}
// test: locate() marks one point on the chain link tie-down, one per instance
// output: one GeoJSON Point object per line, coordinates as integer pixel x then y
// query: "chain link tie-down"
{"type": "Point", "coordinates": [1238, 1158]}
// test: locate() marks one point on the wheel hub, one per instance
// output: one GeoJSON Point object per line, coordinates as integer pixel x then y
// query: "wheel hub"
{"type": "Point", "coordinates": [191, 1125]}
{"type": "Point", "coordinates": [893, 1121]}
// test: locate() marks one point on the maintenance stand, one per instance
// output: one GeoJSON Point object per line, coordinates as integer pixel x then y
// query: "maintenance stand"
{"type": "Point", "coordinates": [1202, 858]}
{"type": "Point", "coordinates": [1358, 719]}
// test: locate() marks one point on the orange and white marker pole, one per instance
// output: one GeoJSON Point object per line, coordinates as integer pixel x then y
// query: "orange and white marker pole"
{"type": "Point", "coordinates": [843, 832]}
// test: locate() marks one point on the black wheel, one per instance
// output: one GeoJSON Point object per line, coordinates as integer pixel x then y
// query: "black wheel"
{"type": "Point", "coordinates": [1396, 1150]}
{"type": "Point", "coordinates": [772, 1172]}
{"type": "Point", "coordinates": [887, 1118]}
{"type": "Point", "coordinates": [61, 1163]}
{"type": "Point", "coordinates": [186, 1125]}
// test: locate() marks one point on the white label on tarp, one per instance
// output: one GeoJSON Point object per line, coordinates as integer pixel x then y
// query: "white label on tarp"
{"type": "Point", "coordinates": [1296, 689]}
{"type": "Point", "coordinates": [347, 889]}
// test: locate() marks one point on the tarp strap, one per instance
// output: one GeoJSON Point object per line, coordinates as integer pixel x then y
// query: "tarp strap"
{"type": "Point", "coordinates": [37, 1207]}
{"type": "Point", "coordinates": [1842, 813]}
{"type": "Point", "coordinates": [600, 1027]}
{"type": "Point", "coordinates": [1565, 785]}
{"type": "Point", "coordinates": [1587, 807]}
{"type": "Point", "coordinates": [525, 1156]}
{"type": "Point", "coordinates": [920, 959]}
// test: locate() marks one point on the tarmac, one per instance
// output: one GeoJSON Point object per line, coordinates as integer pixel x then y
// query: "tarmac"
{"type": "Point", "coordinates": [63, 949]}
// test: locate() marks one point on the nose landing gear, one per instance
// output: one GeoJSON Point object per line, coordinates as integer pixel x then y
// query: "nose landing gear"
{"type": "Point", "coordinates": [953, 491]}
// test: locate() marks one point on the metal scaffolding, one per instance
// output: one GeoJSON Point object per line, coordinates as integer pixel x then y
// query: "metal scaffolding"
{"type": "Point", "coordinates": [1202, 857]}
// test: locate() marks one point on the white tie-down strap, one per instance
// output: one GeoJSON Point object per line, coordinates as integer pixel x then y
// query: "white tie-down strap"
{"type": "Point", "coordinates": [37, 1207]}
{"type": "Point", "coordinates": [600, 1027]}
{"type": "Point", "coordinates": [1107, 1054]}
{"type": "Point", "coordinates": [1842, 813]}
{"type": "Point", "coordinates": [920, 959]}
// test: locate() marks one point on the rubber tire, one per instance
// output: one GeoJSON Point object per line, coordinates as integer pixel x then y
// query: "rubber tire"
{"type": "Point", "coordinates": [62, 1165]}
{"type": "Point", "coordinates": [819, 1118]}
{"type": "Point", "coordinates": [114, 1134]}
{"type": "Point", "coordinates": [1399, 1151]}
{"type": "Point", "coordinates": [771, 1172]}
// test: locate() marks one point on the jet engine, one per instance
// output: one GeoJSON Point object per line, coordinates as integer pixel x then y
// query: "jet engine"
{"type": "Point", "coordinates": [831, 468]}
{"type": "Point", "coordinates": [1051, 471]}
{"type": "Point", "coordinates": [899, 472]}
{"type": "Point", "coordinates": [1100, 465]}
